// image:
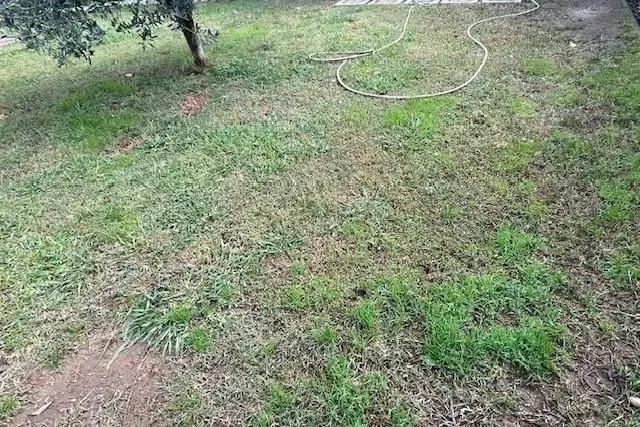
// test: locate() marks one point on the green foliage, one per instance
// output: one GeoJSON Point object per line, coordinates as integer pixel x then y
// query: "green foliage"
{"type": "Point", "coordinates": [345, 400]}
{"type": "Point", "coordinates": [111, 224]}
{"type": "Point", "coordinates": [246, 34]}
{"type": "Point", "coordinates": [572, 147]}
{"type": "Point", "coordinates": [400, 417]}
{"type": "Point", "coordinates": [56, 354]}
{"type": "Point", "coordinates": [279, 401]}
{"type": "Point", "coordinates": [515, 245]}
{"type": "Point", "coordinates": [161, 322]}
{"type": "Point", "coordinates": [8, 407]}
{"type": "Point", "coordinates": [324, 334]}
{"type": "Point", "coordinates": [519, 155]}
{"type": "Point", "coordinates": [618, 84]}
{"type": "Point", "coordinates": [450, 213]}
{"type": "Point", "coordinates": [64, 28]}
{"type": "Point", "coordinates": [632, 422]}
{"type": "Point", "coordinates": [298, 268]}
{"type": "Point", "coordinates": [422, 117]}
{"type": "Point", "coordinates": [624, 269]}
{"type": "Point", "coordinates": [199, 339]}
{"type": "Point", "coordinates": [491, 318]}
{"type": "Point", "coordinates": [539, 67]}
{"type": "Point", "coordinates": [633, 378]}
{"type": "Point", "coordinates": [385, 73]}
{"type": "Point", "coordinates": [620, 203]}
{"type": "Point", "coordinates": [397, 298]}
{"type": "Point", "coordinates": [314, 292]}
{"type": "Point", "coordinates": [338, 398]}
{"type": "Point", "coordinates": [278, 241]}
{"type": "Point", "coordinates": [267, 349]}
{"type": "Point", "coordinates": [366, 316]}
{"type": "Point", "coordinates": [522, 108]}
{"type": "Point", "coordinates": [278, 398]}
{"type": "Point", "coordinates": [277, 144]}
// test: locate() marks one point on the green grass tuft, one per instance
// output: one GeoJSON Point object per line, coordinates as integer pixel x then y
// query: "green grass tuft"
{"type": "Point", "coordinates": [160, 322]}
{"type": "Point", "coordinates": [314, 292]}
{"type": "Point", "coordinates": [541, 67]}
{"type": "Point", "coordinates": [620, 203]}
{"type": "Point", "coordinates": [198, 339]}
{"type": "Point", "coordinates": [397, 298]}
{"type": "Point", "coordinates": [516, 245]}
{"type": "Point", "coordinates": [523, 108]}
{"type": "Point", "coordinates": [485, 319]}
{"type": "Point", "coordinates": [518, 155]}
{"type": "Point", "coordinates": [422, 117]}
{"type": "Point", "coordinates": [617, 83]}
{"type": "Point", "coordinates": [624, 270]}
{"type": "Point", "coordinates": [111, 224]}
{"type": "Point", "coordinates": [8, 406]}
{"type": "Point", "coordinates": [400, 417]}
{"type": "Point", "coordinates": [366, 316]}
{"type": "Point", "coordinates": [344, 401]}
{"type": "Point", "coordinates": [324, 334]}
{"type": "Point", "coordinates": [278, 398]}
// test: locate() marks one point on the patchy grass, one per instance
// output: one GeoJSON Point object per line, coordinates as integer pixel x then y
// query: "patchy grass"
{"type": "Point", "coordinates": [341, 398]}
{"type": "Point", "coordinates": [515, 245]}
{"type": "Point", "coordinates": [484, 319]}
{"type": "Point", "coordinates": [303, 256]}
{"type": "Point", "coordinates": [538, 67]}
{"type": "Point", "coordinates": [420, 117]}
{"type": "Point", "coordinates": [523, 108]}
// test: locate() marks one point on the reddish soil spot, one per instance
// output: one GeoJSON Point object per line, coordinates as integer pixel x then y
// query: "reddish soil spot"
{"type": "Point", "coordinates": [128, 144]}
{"type": "Point", "coordinates": [124, 146]}
{"type": "Point", "coordinates": [85, 392]}
{"type": "Point", "coordinates": [192, 105]}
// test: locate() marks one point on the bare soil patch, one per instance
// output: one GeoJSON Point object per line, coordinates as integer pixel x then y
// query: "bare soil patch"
{"type": "Point", "coordinates": [89, 391]}
{"type": "Point", "coordinates": [192, 105]}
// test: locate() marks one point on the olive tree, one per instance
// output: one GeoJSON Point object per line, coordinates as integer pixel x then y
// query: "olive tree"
{"type": "Point", "coordinates": [72, 28]}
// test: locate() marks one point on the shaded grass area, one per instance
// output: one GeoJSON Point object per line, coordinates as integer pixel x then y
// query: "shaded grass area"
{"type": "Point", "coordinates": [305, 257]}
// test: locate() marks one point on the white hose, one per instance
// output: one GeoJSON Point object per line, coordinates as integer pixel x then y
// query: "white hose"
{"type": "Point", "coordinates": [345, 57]}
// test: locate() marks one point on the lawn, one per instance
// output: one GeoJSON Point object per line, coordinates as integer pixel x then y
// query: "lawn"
{"type": "Point", "coordinates": [266, 249]}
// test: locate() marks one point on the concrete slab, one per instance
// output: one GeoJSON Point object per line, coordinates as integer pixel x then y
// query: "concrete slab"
{"type": "Point", "coordinates": [410, 2]}
{"type": "Point", "coordinates": [7, 41]}
{"type": "Point", "coordinates": [352, 2]}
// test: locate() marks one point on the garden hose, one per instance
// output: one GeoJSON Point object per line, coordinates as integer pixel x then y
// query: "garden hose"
{"type": "Point", "coordinates": [345, 57]}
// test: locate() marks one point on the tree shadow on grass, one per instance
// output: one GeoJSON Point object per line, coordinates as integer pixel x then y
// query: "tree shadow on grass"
{"type": "Point", "coordinates": [125, 93]}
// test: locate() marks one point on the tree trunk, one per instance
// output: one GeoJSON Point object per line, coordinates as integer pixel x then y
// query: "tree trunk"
{"type": "Point", "coordinates": [190, 31]}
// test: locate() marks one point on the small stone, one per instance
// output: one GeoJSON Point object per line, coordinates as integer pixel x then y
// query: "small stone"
{"type": "Point", "coordinates": [128, 75]}
{"type": "Point", "coordinates": [634, 401]}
